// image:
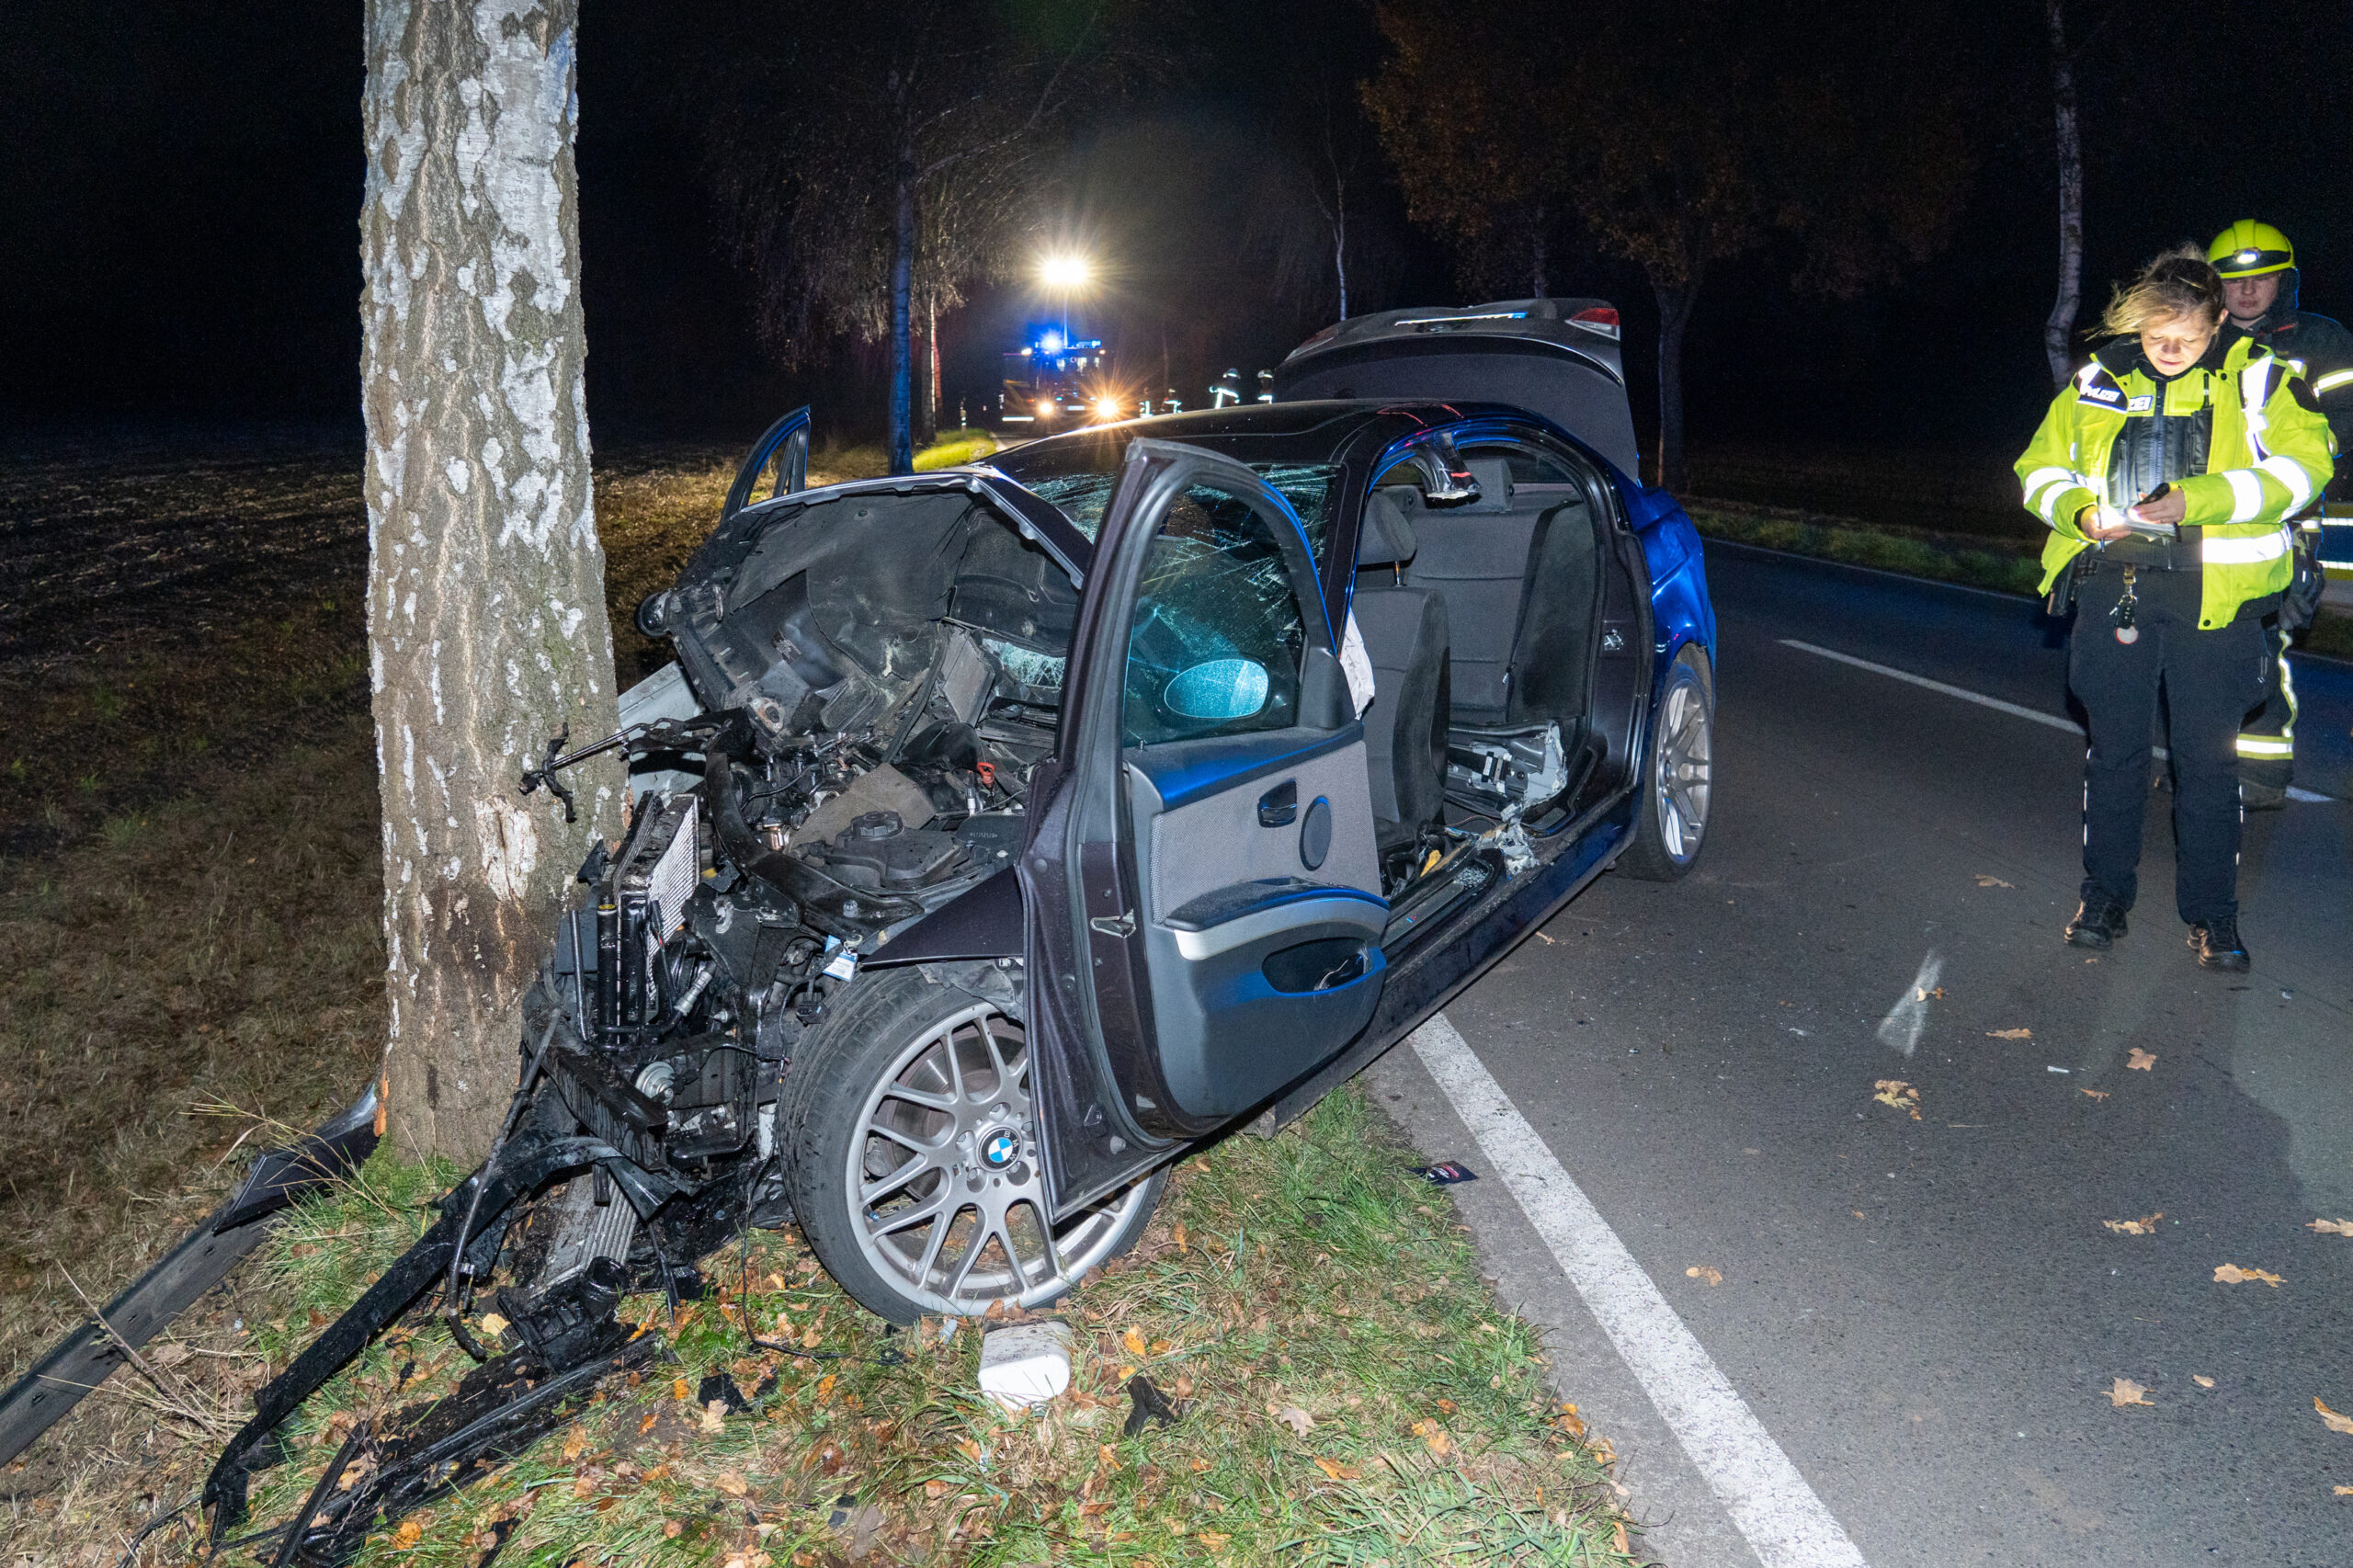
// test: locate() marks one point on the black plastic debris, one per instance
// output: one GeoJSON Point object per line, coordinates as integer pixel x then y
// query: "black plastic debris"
{"type": "Point", "coordinates": [719, 1385]}
{"type": "Point", "coordinates": [1446, 1173]}
{"type": "Point", "coordinates": [1150, 1405]}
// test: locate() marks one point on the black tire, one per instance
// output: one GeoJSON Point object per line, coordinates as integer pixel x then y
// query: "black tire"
{"type": "Point", "coordinates": [1671, 820]}
{"type": "Point", "coordinates": [903, 1065]}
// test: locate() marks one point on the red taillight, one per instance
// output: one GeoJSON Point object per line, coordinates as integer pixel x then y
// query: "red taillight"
{"type": "Point", "coordinates": [1597, 315]}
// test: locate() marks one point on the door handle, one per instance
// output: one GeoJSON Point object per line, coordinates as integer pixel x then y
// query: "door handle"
{"type": "Point", "coordinates": [1278, 807]}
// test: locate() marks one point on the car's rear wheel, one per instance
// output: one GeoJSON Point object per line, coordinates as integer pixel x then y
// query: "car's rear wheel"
{"type": "Point", "coordinates": [912, 1137]}
{"type": "Point", "coordinates": [1677, 775]}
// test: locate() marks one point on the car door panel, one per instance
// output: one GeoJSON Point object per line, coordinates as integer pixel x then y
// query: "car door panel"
{"type": "Point", "coordinates": [1216, 918]}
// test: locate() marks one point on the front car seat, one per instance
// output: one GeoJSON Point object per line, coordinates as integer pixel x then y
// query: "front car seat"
{"type": "Point", "coordinates": [1404, 633]}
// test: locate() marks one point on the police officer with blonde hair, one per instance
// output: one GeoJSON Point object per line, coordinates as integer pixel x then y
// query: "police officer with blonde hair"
{"type": "Point", "coordinates": [2257, 266]}
{"type": "Point", "coordinates": [2165, 470]}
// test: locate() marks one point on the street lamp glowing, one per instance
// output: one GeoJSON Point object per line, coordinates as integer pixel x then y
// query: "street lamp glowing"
{"type": "Point", "coordinates": [1064, 271]}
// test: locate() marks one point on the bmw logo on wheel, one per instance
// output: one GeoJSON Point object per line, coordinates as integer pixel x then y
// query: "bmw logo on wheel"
{"type": "Point", "coordinates": [1000, 1149]}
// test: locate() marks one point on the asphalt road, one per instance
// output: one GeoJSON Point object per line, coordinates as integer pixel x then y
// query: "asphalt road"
{"type": "Point", "coordinates": [1927, 1315]}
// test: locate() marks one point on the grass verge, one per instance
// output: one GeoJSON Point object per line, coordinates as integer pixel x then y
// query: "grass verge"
{"type": "Point", "coordinates": [1351, 1393]}
{"type": "Point", "coordinates": [956, 447]}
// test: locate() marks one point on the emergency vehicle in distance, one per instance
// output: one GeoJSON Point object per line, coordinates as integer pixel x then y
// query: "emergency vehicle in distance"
{"type": "Point", "coordinates": [1056, 383]}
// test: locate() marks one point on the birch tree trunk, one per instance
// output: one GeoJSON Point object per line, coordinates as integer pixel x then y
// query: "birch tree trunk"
{"type": "Point", "coordinates": [486, 623]}
{"type": "Point", "coordinates": [2060, 329]}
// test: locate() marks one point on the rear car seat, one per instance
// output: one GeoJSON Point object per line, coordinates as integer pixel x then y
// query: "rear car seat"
{"type": "Point", "coordinates": [1405, 634]}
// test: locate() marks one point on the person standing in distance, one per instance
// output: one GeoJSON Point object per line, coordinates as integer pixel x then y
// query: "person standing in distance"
{"type": "Point", "coordinates": [2258, 271]}
{"type": "Point", "coordinates": [2165, 469]}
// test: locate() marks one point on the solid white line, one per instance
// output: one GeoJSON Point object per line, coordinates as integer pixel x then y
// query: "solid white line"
{"type": "Point", "coordinates": [2052, 720]}
{"type": "Point", "coordinates": [2034, 714]}
{"type": "Point", "coordinates": [1770, 1503]}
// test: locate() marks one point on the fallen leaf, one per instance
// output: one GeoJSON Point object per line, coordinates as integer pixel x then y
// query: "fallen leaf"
{"type": "Point", "coordinates": [1178, 1235]}
{"type": "Point", "coordinates": [1568, 1421]}
{"type": "Point", "coordinates": [1625, 1547]}
{"type": "Point", "coordinates": [2332, 1227]}
{"type": "Point", "coordinates": [1337, 1471]}
{"type": "Point", "coordinates": [1433, 1435]}
{"type": "Point", "coordinates": [2144, 1226]}
{"type": "Point", "coordinates": [2009, 1034]}
{"type": "Point", "coordinates": [2332, 1420]}
{"type": "Point", "coordinates": [576, 1443]}
{"type": "Point", "coordinates": [1161, 1347]}
{"type": "Point", "coordinates": [2202, 1379]}
{"type": "Point", "coordinates": [1215, 1540]}
{"type": "Point", "coordinates": [681, 1390]}
{"type": "Point", "coordinates": [2232, 1274]}
{"type": "Point", "coordinates": [1134, 1341]}
{"type": "Point", "coordinates": [1986, 881]}
{"type": "Point", "coordinates": [1856, 1212]}
{"type": "Point", "coordinates": [1298, 1420]}
{"type": "Point", "coordinates": [2097, 1094]}
{"type": "Point", "coordinates": [408, 1535]}
{"type": "Point", "coordinates": [672, 1529]}
{"type": "Point", "coordinates": [732, 1484]}
{"type": "Point", "coordinates": [714, 1417]}
{"type": "Point", "coordinates": [812, 1339]}
{"type": "Point", "coordinates": [492, 1324]}
{"type": "Point", "coordinates": [2127, 1392]}
{"type": "Point", "coordinates": [1899, 1094]}
{"type": "Point", "coordinates": [2345, 1492]}
{"type": "Point", "coordinates": [2141, 1061]}
{"type": "Point", "coordinates": [1701, 1271]}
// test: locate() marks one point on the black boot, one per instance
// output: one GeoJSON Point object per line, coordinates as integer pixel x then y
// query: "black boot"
{"type": "Point", "coordinates": [2098, 921]}
{"type": "Point", "coordinates": [2219, 946]}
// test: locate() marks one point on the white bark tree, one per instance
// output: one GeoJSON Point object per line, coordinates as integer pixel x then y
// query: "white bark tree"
{"type": "Point", "coordinates": [486, 624]}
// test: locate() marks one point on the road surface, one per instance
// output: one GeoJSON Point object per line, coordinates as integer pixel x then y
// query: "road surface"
{"type": "Point", "coordinates": [1926, 1317]}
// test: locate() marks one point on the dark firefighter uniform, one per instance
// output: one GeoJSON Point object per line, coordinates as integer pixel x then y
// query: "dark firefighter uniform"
{"type": "Point", "coordinates": [2240, 436]}
{"type": "Point", "coordinates": [2321, 350]}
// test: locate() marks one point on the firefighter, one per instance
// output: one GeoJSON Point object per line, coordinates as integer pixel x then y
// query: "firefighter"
{"type": "Point", "coordinates": [2165, 470]}
{"type": "Point", "coordinates": [2257, 266]}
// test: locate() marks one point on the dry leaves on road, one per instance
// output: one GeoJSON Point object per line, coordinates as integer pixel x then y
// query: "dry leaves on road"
{"type": "Point", "coordinates": [2095, 1094]}
{"type": "Point", "coordinates": [1899, 1094]}
{"type": "Point", "coordinates": [2232, 1274]}
{"type": "Point", "coordinates": [2330, 1418]}
{"type": "Point", "coordinates": [1701, 1271]}
{"type": "Point", "coordinates": [1986, 881]}
{"type": "Point", "coordinates": [2009, 1034]}
{"type": "Point", "coordinates": [2332, 1227]}
{"type": "Point", "coordinates": [2345, 1492]}
{"type": "Point", "coordinates": [2202, 1379]}
{"type": "Point", "coordinates": [2140, 1061]}
{"type": "Point", "coordinates": [2146, 1226]}
{"type": "Point", "coordinates": [2127, 1392]}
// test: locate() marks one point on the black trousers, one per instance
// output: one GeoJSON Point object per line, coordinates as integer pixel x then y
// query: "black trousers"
{"type": "Point", "coordinates": [2211, 680]}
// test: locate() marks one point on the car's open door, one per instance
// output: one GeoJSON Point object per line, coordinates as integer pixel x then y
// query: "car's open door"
{"type": "Point", "coordinates": [778, 460]}
{"type": "Point", "coordinates": [1203, 891]}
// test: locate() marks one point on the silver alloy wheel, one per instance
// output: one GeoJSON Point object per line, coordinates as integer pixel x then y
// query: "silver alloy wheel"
{"type": "Point", "coordinates": [948, 1204]}
{"type": "Point", "coordinates": [1680, 777]}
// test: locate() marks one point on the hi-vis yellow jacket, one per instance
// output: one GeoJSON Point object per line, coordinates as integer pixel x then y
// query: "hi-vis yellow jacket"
{"type": "Point", "coordinates": [2268, 454]}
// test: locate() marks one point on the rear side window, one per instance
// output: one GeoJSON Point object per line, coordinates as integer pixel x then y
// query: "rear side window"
{"type": "Point", "coordinates": [1529, 466]}
{"type": "Point", "coordinates": [1219, 630]}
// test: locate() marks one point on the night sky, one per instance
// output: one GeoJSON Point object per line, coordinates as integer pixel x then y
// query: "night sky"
{"type": "Point", "coordinates": [182, 181]}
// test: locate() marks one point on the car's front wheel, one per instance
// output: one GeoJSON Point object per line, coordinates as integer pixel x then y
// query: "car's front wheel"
{"type": "Point", "coordinates": [912, 1134]}
{"type": "Point", "coordinates": [1677, 775]}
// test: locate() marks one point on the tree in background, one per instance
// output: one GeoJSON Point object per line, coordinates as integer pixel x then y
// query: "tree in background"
{"type": "Point", "coordinates": [1684, 136]}
{"type": "Point", "coordinates": [2058, 331]}
{"type": "Point", "coordinates": [873, 162]}
{"type": "Point", "coordinates": [486, 625]}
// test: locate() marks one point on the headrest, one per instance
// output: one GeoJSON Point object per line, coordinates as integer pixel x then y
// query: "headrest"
{"type": "Point", "coordinates": [1386, 539]}
{"type": "Point", "coordinates": [1494, 475]}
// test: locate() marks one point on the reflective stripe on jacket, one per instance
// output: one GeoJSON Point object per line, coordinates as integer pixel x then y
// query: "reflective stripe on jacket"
{"type": "Point", "coordinates": [2268, 455]}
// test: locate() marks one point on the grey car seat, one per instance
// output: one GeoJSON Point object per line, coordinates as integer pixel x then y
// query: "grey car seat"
{"type": "Point", "coordinates": [1404, 631]}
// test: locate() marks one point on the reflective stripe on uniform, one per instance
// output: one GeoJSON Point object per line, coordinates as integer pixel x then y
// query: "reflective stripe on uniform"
{"type": "Point", "coordinates": [2224, 550]}
{"type": "Point", "coordinates": [2254, 391]}
{"type": "Point", "coordinates": [2265, 745]}
{"type": "Point", "coordinates": [2246, 495]}
{"type": "Point", "coordinates": [2289, 473]}
{"type": "Point", "coordinates": [2331, 381]}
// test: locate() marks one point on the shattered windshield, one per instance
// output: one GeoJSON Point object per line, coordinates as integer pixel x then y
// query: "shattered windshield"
{"type": "Point", "coordinates": [1081, 489]}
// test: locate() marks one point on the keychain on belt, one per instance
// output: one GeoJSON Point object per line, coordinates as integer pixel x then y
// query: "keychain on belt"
{"type": "Point", "coordinates": [2126, 632]}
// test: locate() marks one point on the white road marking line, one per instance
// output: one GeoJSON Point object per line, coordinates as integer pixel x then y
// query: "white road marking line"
{"type": "Point", "coordinates": [1770, 1503]}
